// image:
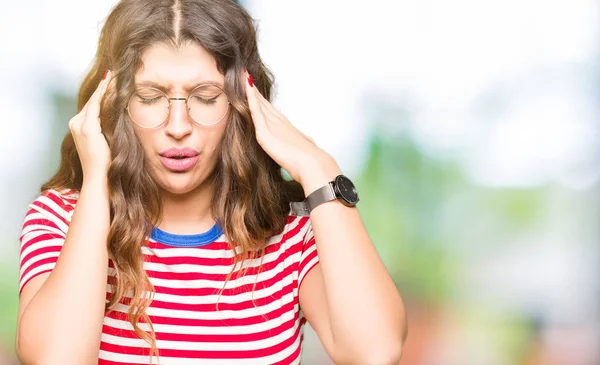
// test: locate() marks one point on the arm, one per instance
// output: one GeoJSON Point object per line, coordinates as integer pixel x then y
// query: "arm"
{"type": "Point", "coordinates": [349, 298]}
{"type": "Point", "coordinates": [61, 313]}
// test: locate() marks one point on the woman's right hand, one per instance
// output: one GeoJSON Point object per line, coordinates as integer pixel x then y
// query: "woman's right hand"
{"type": "Point", "coordinates": [91, 144]}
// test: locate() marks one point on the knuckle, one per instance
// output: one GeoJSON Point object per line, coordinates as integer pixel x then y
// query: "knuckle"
{"type": "Point", "coordinates": [74, 123]}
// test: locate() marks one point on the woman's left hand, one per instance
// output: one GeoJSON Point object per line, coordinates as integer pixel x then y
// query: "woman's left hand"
{"type": "Point", "coordinates": [290, 148]}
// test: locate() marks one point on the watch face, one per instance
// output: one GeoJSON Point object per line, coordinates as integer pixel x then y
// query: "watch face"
{"type": "Point", "coordinates": [346, 189]}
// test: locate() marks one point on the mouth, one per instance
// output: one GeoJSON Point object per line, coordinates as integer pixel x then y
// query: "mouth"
{"type": "Point", "coordinates": [179, 163]}
{"type": "Point", "coordinates": [178, 157]}
{"type": "Point", "coordinates": [179, 160]}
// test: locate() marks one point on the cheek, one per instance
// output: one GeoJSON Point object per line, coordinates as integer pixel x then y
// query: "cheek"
{"type": "Point", "coordinates": [151, 158]}
{"type": "Point", "coordinates": [215, 141]}
{"type": "Point", "coordinates": [145, 138]}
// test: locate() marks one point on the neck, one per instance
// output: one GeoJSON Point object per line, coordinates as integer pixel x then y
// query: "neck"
{"type": "Point", "coordinates": [188, 213]}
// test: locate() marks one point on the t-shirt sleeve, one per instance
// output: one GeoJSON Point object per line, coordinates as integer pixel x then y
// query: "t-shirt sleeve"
{"type": "Point", "coordinates": [43, 234]}
{"type": "Point", "coordinates": [309, 257]}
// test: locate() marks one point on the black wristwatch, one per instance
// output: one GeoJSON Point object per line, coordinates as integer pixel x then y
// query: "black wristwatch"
{"type": "Point", "coordinates": [341, 188]}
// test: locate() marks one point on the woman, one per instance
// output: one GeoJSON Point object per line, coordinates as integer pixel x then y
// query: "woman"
{"type": "Point", "coordinates": [168, 234]}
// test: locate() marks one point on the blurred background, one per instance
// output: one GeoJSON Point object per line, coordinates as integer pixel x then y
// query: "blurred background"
{"type": "Point", "coordinates": [471, 128]}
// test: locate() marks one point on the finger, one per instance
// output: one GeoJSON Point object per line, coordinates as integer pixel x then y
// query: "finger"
{"type": "Point", "coordinates": [268, 111]}
{"type": "Point", "coordinates": [93, 105]}
{"type": "Point", "coordinates": [310, 139]}
{"type": "Point", "coordinates": [268, 106]}
{"type": "Point", "coordinates": [272, 113]}
{"type": "Point", "coordinates": [256, 111]}
{"type": "Point", "coordinates": [91, 98]}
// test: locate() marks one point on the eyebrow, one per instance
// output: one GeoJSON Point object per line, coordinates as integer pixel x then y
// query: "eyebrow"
{"type": "Point", "coordinates": [190, 87]}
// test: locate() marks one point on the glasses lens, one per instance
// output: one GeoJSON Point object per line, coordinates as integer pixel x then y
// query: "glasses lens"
{"type": "Point", "coordinates": [149, 107]}
{"type": "Point", "coordinates": [208, 105]}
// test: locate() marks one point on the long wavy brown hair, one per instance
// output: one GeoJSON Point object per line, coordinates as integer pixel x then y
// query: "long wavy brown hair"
{"type": "Point", "coordinates": [251, 197]}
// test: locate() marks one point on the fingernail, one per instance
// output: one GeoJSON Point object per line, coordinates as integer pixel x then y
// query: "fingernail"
{"type": "Point", "coordinates": [250, 80]}
{"type": "Point", "coordinates": [105, 74]}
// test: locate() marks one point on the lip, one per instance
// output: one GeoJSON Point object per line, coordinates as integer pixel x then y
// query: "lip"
{"type": "Point", "coordinates": [179, 164]}
{"type": "Point", "coordinates": [179, 152]}
{"type": "Point", "coordinates": [179, 159]}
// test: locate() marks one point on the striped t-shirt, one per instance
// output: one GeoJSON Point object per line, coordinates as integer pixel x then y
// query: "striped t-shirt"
{"type": "Point", "coordinates": [253, 325]}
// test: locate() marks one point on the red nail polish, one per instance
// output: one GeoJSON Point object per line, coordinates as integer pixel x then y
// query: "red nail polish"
{"type": "Point", "coordinates": [250, 80]}
{"type": "Point", "coordinates": [105, 74]}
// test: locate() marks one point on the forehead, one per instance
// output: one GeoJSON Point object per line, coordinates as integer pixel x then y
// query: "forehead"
{"type": "Point", "coordinates": [179, 68]}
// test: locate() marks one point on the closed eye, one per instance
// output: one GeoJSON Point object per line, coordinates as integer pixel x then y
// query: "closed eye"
{"type": "Point", "coordinates": [206, 101]}
{"type": "Point", "coordinates": [149, 101]}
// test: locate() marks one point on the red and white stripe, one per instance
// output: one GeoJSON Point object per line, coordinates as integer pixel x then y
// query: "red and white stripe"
{"type": "Point", "coordinates": [258, 320]}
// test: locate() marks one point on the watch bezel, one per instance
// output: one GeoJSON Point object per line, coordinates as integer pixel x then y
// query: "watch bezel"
{"type": "Point", "coordinates": [348, 200]}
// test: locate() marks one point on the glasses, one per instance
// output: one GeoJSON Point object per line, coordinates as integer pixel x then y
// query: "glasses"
{"type": "Point", "coordinates": [206, 105]}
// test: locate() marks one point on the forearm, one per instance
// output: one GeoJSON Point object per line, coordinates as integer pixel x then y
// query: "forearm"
{"type": "Point", "coordinates": [63, 321]}
{"type": "Point", "coordinates": [366, 312]}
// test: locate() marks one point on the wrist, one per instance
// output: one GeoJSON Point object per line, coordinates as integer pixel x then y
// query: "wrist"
{"type": "Point", "coordinates": [324, 170]}
{"type": "Point", "coordinates": [95, 180]}
{"type": "Point", "coordinates": [95, 173]}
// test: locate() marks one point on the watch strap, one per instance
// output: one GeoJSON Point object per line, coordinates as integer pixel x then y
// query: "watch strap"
{"type": "Point", "coordinates": [299, 208]}
{"type": "Point", "coordinates": [313, 200]}
{"type": "Point", "coordinates": [320, 196]}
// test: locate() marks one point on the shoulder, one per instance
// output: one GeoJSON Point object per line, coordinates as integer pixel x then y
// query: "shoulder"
{"type": "Point", "coordinates": [54, 204]}
{"type": "Point", "coordinates": [63, 198]}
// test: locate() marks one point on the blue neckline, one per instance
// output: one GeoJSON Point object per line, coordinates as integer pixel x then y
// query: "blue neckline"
{"type": "Point", "coordinates": [187, 240]}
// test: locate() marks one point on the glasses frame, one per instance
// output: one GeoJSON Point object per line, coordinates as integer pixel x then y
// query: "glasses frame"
{"type": "Point", "coordinates": [187, 108]}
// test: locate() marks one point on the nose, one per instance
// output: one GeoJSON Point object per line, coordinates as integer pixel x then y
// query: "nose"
{"type": "Point", "coordinates": [179, 123]}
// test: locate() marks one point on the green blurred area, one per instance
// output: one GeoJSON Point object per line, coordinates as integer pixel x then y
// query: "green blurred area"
{"type": "Point", "coordinates": [8, 307]}
{"type": "Point", "coordinates": [421, 212]}
{"type": "Point", "coordinates": [423, 215]}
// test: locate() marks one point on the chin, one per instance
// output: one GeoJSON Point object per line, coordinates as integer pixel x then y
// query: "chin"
{"type": "Point", "coordinates": [178, 184]}
{"type": "Point", "coordinates": [177, 189]}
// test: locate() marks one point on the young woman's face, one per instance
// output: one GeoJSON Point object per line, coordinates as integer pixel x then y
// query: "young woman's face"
{"type": "Point", "coordinates": [177, 73]}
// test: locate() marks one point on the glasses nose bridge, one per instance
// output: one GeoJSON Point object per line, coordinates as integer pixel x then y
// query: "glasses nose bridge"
{"type": "Point", "coordinates": [169, 99]}
{"type": "Point", "coordinates": [182, 99]}
{"type": "Point", "coordinates": [185, 100]}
